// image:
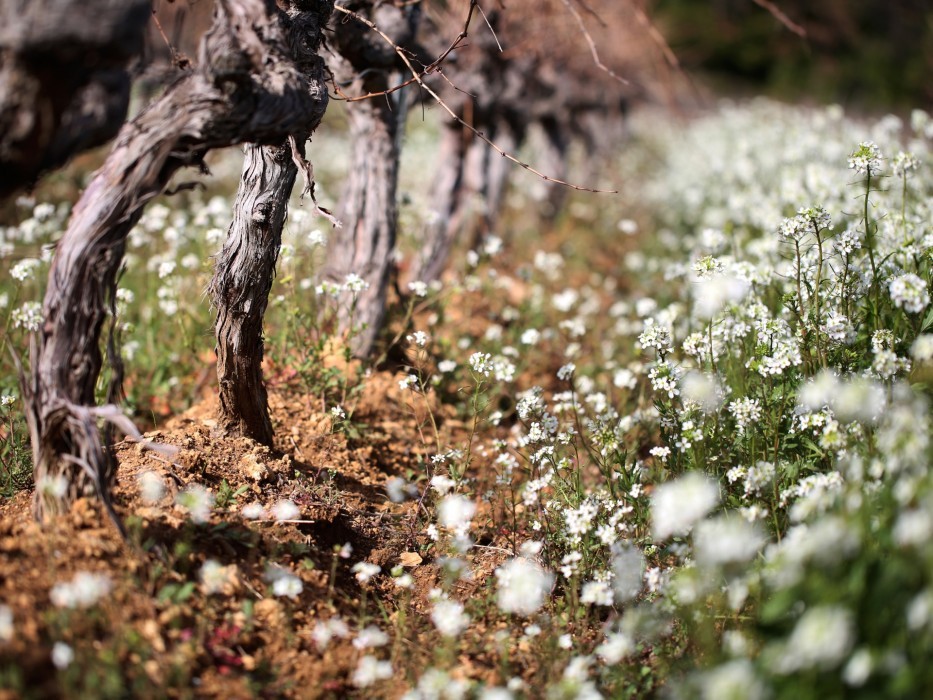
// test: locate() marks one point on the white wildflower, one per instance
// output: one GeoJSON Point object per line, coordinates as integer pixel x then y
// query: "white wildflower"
{"type": "Point", "coordinates": [821, 639]}
{"type": "Point", "coordinates": [214, 576]}
{"type": "Point", "coordinates": [481, 363]}
{"type": "Point", "coordinates": [24, 269]}
{"type": "Point", "coordinates": [702, 389]}
{"type": "Point", "coordinates": [62, 655]}
{"type": "Point", "coordinates": [859, 668]}
{"type": "Point", "coordinates": [166, 268]}
{"type": "Point", "coordinates": [323, 632]}
{"type": "Point", "coordinates": [365, 571]}
{"type": "Point", "coordinates": [449, 618]}
{"type": "Point", "coordinates": [370, 670]}
{"type": "Point", "coordinates": [418, 288]}
{"type": "Point", "coordinates": [455, 513]}
{"type": "Point", "coordinates": [522, 586]}
{"type": "Point", "coordinates": [628, 571]}
{"type": "Point", "coordinates": [922, 348]}
{"type": "Point", "coordinates": [746, 411]}
{"type": "Point", "coordinates": [198, 501]}
{"type": "Point", "coordinates": [904, 162]}
{"type": "Point", "coordinates": [253, 511]}
{"type": "Point", "coordinates": [596, 593]}
{"type": "Point", "coordinates": [285, 510]}
{"type": "Point", "coordinates": [909, 292]}
{"type": "Point", "coordinates": [370, 637]}
{"type": "Point", "coordinates": [28, 316]}
{"type": "Point", "coordinates": [624, 379]}
{"type": "Point", "coordinates": [287, 585]}
{"type": "Point", "coordinates": [733, 680]}
{"type": "Point", "coordinates": [677, 505]}
{"type": "Point", "coordinates": [655, 336]}
{"type": "Point", "coordinates": [726, 540]}
{"type": "Point", "coordinates": [419, 338]}
{"type": "Point", "coordinates": [618, 646]}
{"type": "Point", "coordinates": [317, 239]}
{"type": "Point", "coordinates": [408, 382]}
{"type": "Point", "coordinates": [355, 284]}
{"type": "Point", "coordinates": [866, 159]}
{"type": "Point", "coordinates": [712, 294]}
{"type": "Point", "coordinates": [83, 591]}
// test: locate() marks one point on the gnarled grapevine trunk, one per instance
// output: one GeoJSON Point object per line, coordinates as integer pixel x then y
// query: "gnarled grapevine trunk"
{"type": "Point", "coordinates": [467, 168]}
{"type": "Point", "coordinates": [368, 208]}
{"type": "Point", "coordinates": [491, 95]}
{"type": "Point", "coordinates": [64, 85]}
{"type": "Point", "coordinates": [245, 268]}
{"type": "Point", "coordinates": [366, 242]}
{"type": "Point", "coordinates": [246, 88]}
{"type": "Point", "coordinates": [450, 198]}
{"type": "Point", "coordinates": [243, 275]}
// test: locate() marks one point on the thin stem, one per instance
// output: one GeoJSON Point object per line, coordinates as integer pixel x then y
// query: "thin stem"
{"type": "Point", "coordinates": [816, 293]}
{"type": "Point", "coordinates": [870, 245]}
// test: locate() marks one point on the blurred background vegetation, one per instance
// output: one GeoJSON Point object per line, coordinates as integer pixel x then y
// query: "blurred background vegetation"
{"type": "Point", "coordinates": [864, 54]}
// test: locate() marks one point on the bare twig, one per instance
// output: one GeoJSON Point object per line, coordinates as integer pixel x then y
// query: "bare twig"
{"type": "Point", "coordinates": [656, 36]}
{"type": "Point", "coordinates": [592, 44]}
{"type": "Point", "coordinates": [593, 13]}
{"type": "Point", "coordinates": [781, 17]}
{"type": "Point", "coordinates": [486, 20]}
{"type": "Point", "coordinates": [432, 67]}
{"type": "Point", "coordinates": [178, 58]}
{"type": "Point", "coordinates": [437, 98]}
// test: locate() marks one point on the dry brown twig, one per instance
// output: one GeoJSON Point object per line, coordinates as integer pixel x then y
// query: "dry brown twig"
{"type": "Point", "coordinates": [179, 60]}
{"type": "Point", "coordinates": [493, 31]}
{"type": "Point", "coordinates": [589, 40]}
{"type": "Point", "coordinates": [432, 67]}
{"type": "Point", "coordinates": [417, 77]}
{"type": "Point", "coordinates": [781, 17]}
{"type": "Point", "coordinates": [656, 37]}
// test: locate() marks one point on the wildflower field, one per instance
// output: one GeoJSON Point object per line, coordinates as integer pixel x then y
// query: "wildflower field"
{"type": "Point", "coordinates": [674, 443]}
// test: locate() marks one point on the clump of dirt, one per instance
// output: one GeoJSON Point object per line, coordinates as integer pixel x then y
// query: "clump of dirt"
{"type": "Point", "coordinates": [163, 629]}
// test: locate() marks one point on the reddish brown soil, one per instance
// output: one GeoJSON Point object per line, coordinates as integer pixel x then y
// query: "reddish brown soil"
{"type": "Point", "coordinates": [212, 645]}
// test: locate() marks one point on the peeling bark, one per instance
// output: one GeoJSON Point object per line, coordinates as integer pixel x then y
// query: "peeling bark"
{"type": "Point", "coordinates": [246, 88]}
{"type": "Point", "coordinates": [245, 268]}
{"type": "Point", "coordinates": [64, 85]}
{"type": "Point", "coordinates": [243, 275]}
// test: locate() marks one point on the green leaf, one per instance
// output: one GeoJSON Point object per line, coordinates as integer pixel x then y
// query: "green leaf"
{"type": "Point", "coordinates": [167, 592]}
{"type": "Point", "coordinates": [928, 321]}
{"type": "Point", "coordinates": [175, 593]}
{"type": "Point", "coordinates": [185, 592]}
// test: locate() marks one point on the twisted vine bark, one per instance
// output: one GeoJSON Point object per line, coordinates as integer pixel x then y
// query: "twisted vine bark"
{"type": "Point", "coordinates": [368, 207]}
{"type": "Point", "coordinates": [239, 290]}
{"type": "Point", "coordinates": [246, 87]}
{"type": "Point", "coordinates": [245, 267]}
{"type": "Point", "coordinates": [64, 85]}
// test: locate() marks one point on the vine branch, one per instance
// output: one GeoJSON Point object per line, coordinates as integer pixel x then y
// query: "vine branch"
{"type": "Point", "coordinates": [417, 77]}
